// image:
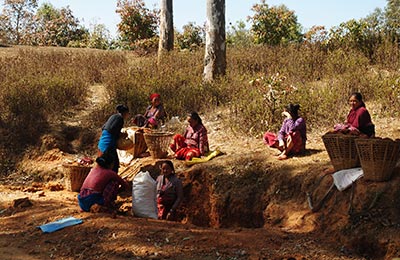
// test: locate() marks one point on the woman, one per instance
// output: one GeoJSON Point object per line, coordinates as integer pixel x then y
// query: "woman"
{"type": "Point", "coordinates": [102, 185]}
{"type": "Point", "coordinates": [194, 142]}
{"type": "Point", "coordinates": [111, 131]}
{"type": "Point", "coordinates": [358, 120]}
{"type": "Point", "coordinates": [292, 136]}
{"type": "Point", "coordinates": [169, 192]}
{"type": "Point", "coordinates": [154, 114]}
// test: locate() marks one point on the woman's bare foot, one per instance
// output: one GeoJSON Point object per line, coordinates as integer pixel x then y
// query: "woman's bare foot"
{"type": "Point", "coordinates": [282, 157]}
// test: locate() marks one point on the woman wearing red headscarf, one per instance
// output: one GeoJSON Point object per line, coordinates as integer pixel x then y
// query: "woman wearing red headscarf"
{"type": "Point", "coordinates": [154, 114]}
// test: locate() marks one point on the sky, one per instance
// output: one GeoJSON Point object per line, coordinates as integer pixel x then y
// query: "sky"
{"type": "Point", "coordinates": [327, 13]}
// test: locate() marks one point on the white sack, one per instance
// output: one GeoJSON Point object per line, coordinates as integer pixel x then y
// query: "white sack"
{"type": "Point", "coordinates": [144, 196]}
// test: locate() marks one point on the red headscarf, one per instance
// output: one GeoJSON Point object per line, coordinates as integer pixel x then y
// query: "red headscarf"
{"type": "Point", "coordinates": [154, 95]}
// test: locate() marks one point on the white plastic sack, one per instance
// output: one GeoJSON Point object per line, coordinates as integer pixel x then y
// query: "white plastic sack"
{"type": "Point", "coordinates": [144, 196]}
{"type": "Point", "coordinates": [345, 178]}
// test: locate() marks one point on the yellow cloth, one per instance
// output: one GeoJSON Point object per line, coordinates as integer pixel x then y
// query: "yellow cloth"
{"type": "Point", "coordinates": [204, 159]}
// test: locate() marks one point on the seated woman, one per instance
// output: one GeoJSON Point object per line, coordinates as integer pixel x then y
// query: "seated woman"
{"type": "Point", "coordinates": [102, 185]}
{"type": "Point", "coordinates": [169, 192]}
{"type": "Point", "coordinates": [154, 114]}
{"type": "Point", "coordinates": [292, 136]}
{"type": "Point", "coordinates": [358, 120]}
{"type": "Point", "coordinates": [111, 131]}
{"type": "Point", "coordinates": [194, 142]}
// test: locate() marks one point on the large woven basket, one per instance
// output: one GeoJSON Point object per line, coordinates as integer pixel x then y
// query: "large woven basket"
{"type": "Point", "coordinates": [138, 143]}
{"type": "Point", "coordinates": [75, 175]}
{"type": "Point", "coordinates": [342, 150]}
{"type": "Point", "coordinates": [378, 157]}
{"type": "Point", "coordinates": [158, 143]}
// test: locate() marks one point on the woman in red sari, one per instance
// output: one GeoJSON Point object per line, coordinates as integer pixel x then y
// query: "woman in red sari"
{"type": "Point", "coordinates": [194, 142]}
{"type": "Point", "coordinates": [358, 120]}
{"type": "Point", "coordinates": [169, 192]}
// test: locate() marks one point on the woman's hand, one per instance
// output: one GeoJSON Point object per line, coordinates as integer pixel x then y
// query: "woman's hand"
{"type": "Point", "coordinates": [171, 215]}
{"type": "Point", "coordinates": [281, 143]}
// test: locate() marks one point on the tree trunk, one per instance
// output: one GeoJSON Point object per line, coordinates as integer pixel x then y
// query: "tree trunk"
{"type": "Point", "coordinates": [166, 42]}
{"type": "Point", "coordinates": [215, 53]}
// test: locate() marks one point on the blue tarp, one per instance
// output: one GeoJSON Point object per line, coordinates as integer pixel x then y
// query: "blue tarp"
{"type": "Point", "coordinates": [59, 224]}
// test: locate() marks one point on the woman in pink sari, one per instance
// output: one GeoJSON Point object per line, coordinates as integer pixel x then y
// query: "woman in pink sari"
{"type": "Point", "coordinates": [194, 142]}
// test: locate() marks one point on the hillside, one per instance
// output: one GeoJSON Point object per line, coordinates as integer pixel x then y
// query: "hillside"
{"type": "Point", "coordinates": [244, 204]}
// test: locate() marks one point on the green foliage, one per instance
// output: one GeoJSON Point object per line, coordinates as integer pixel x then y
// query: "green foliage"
{"type": "Point", "coordinates": [238, 35]}
{"type": "Point", "coordinates": [191, 37]}
{"type": "Point", "coordinates": [137, 21]}
{"type": "Point", "coordinates": [274, 25]}
{"type": "Point", "coordinates": [392, 14]}
{"type": "Point", "coordinates": [355, 34]}
{"type": "Point", "coordinates": [99, 37]}
{"type": "Point", "coordinates": [317, 35]}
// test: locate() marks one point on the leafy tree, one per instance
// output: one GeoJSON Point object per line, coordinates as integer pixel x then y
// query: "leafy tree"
{"type": "Point", "coordinates": [392, 13]}
{"type": "Point", "coordinates": [16, 18]}
{"type": "Point", "coordinates": [238, 35]}
{"type": "Point", "coordinates": [57, 27]}
{"type": "Point", "coordinates": [99, 37]}
{"type": "Point", "coordinates": [316, 35]}
{"type": "Point", "coordinates": [137, 21]}
{"type": "Point", "coordinates": [192, 36]}
{"type": "Point", "coordinates": [360, 34]}
{"type": "Point", "coordinates": [274, 25]}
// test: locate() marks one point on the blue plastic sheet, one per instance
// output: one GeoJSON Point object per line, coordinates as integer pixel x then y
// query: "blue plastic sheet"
{"type": "Point", "coordinates": [60, 224]}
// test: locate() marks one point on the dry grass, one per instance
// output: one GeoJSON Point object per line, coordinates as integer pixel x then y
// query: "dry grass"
{"type": "Point", "coordinates": [40, 84]}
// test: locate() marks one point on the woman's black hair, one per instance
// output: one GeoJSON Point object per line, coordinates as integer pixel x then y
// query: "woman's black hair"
{"type": "Point", "coordinates": [105, 160]}
{"type": "Point", "coordinates": [170, 164]}
{"type": "Point", "coordinates": [359, 97]}
{"type": "Point", "coordinates": [122, 109]}
{"type": "Point", "coordinates": [293, 110]}
{"type": "Point", "coordinates": [195, 116]}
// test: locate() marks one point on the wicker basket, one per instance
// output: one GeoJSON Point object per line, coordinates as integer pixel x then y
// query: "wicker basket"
{"type": "Point", "coordinates": [378, 157]}
{"type": "Point", "coordinates": [158, 143]}
{"type": "Point", "coordinates": [342, 150]}
{"type": "Point", "coordinates": [124, 143]}
{"type": "Point", "coordinates": [138, 143]}
{"type": "Point", "coordinates": [75, 176]}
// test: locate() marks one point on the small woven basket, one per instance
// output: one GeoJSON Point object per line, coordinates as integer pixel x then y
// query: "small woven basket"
{"type": "Point", "coordinates": [75, 176]}
{"type": "Point", "coordinates": [378, 157]}
{"type": "Point", "coordinates": [124, 143]}
{"type": "Point", "coordinates": [158, 143]}
{"type": "Point", "coordinates": [342, 150]}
